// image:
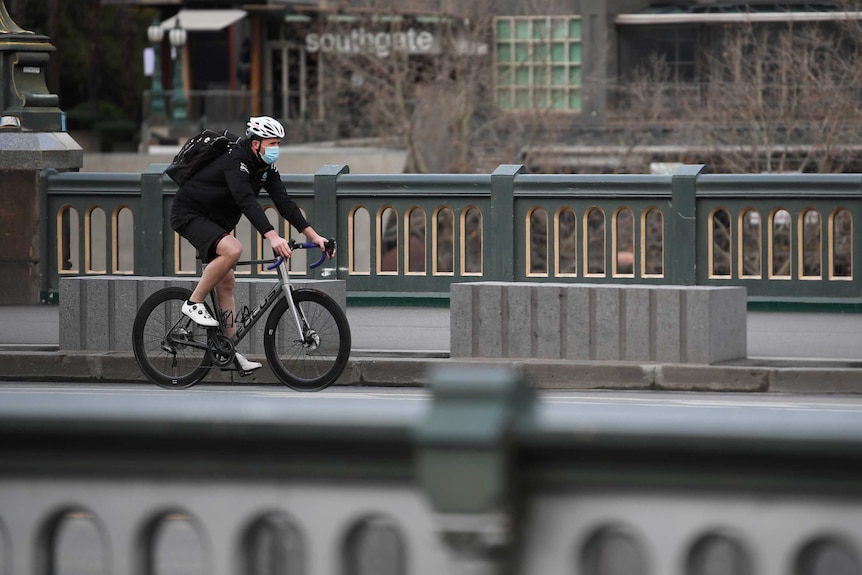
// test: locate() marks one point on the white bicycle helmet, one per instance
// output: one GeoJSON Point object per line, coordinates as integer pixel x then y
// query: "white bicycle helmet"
{"type": "Point", "coordinates": [264, 127]}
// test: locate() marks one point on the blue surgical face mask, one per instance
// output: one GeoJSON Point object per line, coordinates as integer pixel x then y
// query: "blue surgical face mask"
{"type": "Point", "coordinates": [270, 155]}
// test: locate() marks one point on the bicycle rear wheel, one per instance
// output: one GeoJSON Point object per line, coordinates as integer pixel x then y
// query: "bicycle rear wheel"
{"type": "Point", "coordinates": [162, 339]}
{"type": "Point", "coordinates": [313, 360]}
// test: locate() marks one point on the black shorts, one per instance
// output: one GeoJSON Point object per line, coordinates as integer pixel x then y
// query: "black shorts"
{"type": "Point", "coordinates": [203, 234]}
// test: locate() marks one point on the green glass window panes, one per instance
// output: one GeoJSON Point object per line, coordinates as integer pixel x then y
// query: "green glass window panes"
{"type": "Point", "coordinates": [504, 29]}
{"type": "Point", "coordinates": [558, 99]}
{"type": "Point", "coordinates": [558, 52]}
{"type": "Point", "coordinates": [558, 30]}
{"type": "Point", "coordinates": [504, 53]}
{"type": "Point", "coordinates": [540, 53]}
{"type": "Point", "coordinates": [540, 30]}
{"type": "Point", "coordinates": [538, 63]}
{"type": "Point", "coordinates": [559, 76]}
{"type": "Point", "coordinates": [540, 76]}
{"type": "Point", "coordinates": [541, 99]}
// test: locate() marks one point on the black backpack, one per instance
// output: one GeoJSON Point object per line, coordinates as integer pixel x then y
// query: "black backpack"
{"type": "Point", "coordinates": [197, 152]}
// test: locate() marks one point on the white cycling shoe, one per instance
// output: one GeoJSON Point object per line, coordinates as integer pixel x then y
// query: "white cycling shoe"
{"type": "Point", "coordinates": [246, 364]}
{"type": "Point", "coordinates": [199, 314]}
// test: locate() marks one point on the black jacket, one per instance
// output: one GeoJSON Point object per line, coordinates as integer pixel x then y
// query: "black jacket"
{"type": "Point", "coordinates": [228, 187]}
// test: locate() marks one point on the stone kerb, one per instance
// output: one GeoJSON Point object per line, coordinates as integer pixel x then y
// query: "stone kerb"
{"type": "Point", "coordinates": [97, 313]}
{"type": "Point", "coordinates": [598, 322]}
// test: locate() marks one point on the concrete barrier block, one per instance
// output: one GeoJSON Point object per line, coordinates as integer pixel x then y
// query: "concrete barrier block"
{"type": "Point", "coordinates": [577, 325]}
{"type": "Point", "coordinates": [96, 322]}
{"type": "Point", "coordinates": [729, 316]}
{"type": "Point", "coordinates": [548, 321]}
{"type": "Point", "coordinates": [97, 313]}
{"type": "Point", "coordinates": [489, 320]}
{"type": "Point", "coordinates": [146, 287]}
{"type": "Point", "coordinates": [606, 328]}
{"type": "Point", "coordinates": [667, 327]}
{"type": "Point", "coordinates": [695, 325]}
{"type": "Point", "coordinates": [461, 336]}
{"type": "Point", "coordinates": [69, 314]}
{"type": "Point", "coordinates": [636, 341]}
{"type": "Point", "coordinates": [518, 322]}
{"type": "Point", "coordinates": [124, 306]}
{"type": "Point", "coordinates": [599, 322]}
{"type": "Point", "coordinates": [184, 283]}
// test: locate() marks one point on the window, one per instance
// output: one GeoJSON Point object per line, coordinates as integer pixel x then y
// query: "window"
{"type": "Point", "coordinates": [96, 255]}
{"type": "Point", "coordinates": [537, 248]}
{"type": "Point", "coordinates": [750, 244]}
{"type": "Point", "coordinates": [652, 233]}
{"type": "Point", "coordinates": [387, 241]}
{"type": "Point", "coordinates": [719, 247]}
{"type": "Point", "coordinates": [538, 63]}
{"type": "Point", "coordinates": [779, 244]}
{"type": "Point", "coordinates": [414, 243]}
{"type": "Point", "coordinates": [676, 47]}
{"type": "Point", "coordinates": [623, 242]}
{"type": "Point", "coordinates": [594, 242]}
{"type": "Point", "coordinates": [471, 242]}
{"type": "Point", "coordinates": [360, 241]}
{"type": "Point", "coordinates": [841, 244]}
{"type": "Point", "coordinates": [444, 242]}
{"type": "Point", "coordinates": [567, 243]}
{"type": "Point", "coordinates": [810, 247]}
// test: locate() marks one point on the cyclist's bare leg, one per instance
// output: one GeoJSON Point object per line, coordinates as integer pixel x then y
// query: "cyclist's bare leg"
{"type": "Point", "coordinates": [228, 252]}
{"type": "Point", "coordinates": [227, 302]}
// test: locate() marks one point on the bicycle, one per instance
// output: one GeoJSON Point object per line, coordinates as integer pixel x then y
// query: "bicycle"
{"type": "Point", "coordinates": [306, 338]}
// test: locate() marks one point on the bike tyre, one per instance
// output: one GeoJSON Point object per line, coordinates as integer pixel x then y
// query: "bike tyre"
{"type": "Point", "coordinates": [295, 365]}
{"type": "Point", "coordinates": [158, 314]}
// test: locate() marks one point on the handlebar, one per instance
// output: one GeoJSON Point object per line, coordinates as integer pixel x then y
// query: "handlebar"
{"type": "Point", "coordinates": [294, 245]}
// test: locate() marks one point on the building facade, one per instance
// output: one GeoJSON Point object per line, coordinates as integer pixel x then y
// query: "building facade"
{"type": "Point", "coordinates": [604, 85]}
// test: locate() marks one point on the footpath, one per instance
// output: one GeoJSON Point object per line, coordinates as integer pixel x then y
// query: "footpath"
{"type": "Point", "coordinates": [397, 346]}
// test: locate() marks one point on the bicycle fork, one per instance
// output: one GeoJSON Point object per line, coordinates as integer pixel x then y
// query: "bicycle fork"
{"type": "Point", "coordinates": [310, 338]}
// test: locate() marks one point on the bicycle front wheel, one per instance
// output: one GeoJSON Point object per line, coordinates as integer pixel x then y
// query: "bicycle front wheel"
{"type": "Point", "coordinates": [314, 359]}
{"type": "Point", "coordinates": [169, 347]}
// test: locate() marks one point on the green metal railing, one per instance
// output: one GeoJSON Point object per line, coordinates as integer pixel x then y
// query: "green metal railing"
{"type": "Point", "coordinates": [786, 238]}
{"type": "Point", "coordinates": [482, 475]}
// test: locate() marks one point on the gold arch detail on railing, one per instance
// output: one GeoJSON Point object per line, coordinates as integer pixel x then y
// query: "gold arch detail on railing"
{"type": "Point", "coordinates": [414, 235]}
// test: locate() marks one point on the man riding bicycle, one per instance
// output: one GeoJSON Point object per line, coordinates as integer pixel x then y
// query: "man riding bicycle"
{"type": "Point", "coordinates": [210, 204]}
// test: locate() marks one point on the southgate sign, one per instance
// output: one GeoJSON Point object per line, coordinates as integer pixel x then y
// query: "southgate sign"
{"type": "Point", "coordinates": [381, 44]}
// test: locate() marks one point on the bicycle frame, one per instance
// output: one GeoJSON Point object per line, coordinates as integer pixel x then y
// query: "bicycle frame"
{"type": "Point", "coordinates": [279, 289]}
{"type": "Point", "coordinates": [283, 287]}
